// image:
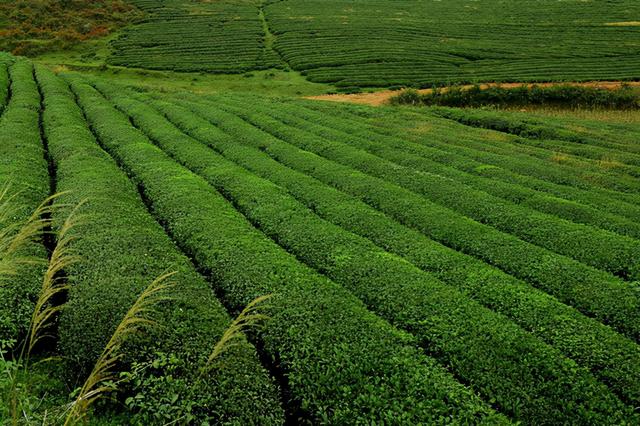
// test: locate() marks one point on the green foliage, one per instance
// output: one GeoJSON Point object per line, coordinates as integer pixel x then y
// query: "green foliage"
{"type": "Point", "coordinates": [584, 340]}
{"type": "Point", "coordinates": [589, 290]}
{"type": "Point", "coordinates": [221, 36]}
{"type": "Point", "coordinates": [123, 250]}
{"type": "Point", "coordinates": [454, 329]}
{"type": "Point", "coordinates": [342, 363]}
{"type": "Point", "coordinates": [24, 170]}
{"type": "Point", "coordinates": [613, 253]}
{"type": "Point", "coordinates": [566, 96]}
{"type": "Point", "coordinates": [415, 43]}
{"type": "Point", "coordinates": [410, 250]}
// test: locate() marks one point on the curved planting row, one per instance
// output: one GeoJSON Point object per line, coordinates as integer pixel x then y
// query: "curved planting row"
{"type": "Point", "coordinates": [619, 177]}
{"type": "Point", "coordinates": [445, 138]}
{"type": "Point", "coordinates": [614, 359]}
{"type": "Point", "coordinates": [122, 250]}
{"type": "Point", "coordinates": [538, 133]}
{"type": "Point", "coordinates": [343, 364]}
{"type": "Point", "coordinates": [616, 254]}
{"type": "Point", "coordinates": [613, 185]}
{"type": "Point", "coordinates": [610, 165]}
{"type": "Point", "coordinates": [431, 160]}
{"type": "Point", "coordinates": [611, 300]}
{"type": "Point", "coordinates": [475, 343]}
{"type": "Point", "coordinates": [420, 157]}
{"type": "Point", "coordinates": [24, 170]}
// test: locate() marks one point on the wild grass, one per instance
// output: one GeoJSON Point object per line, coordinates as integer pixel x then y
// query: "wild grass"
{"type": "Point", "coordinates": [16, 235]}
{"type": "Point", "coordinates": [103, 379]}
{"type": "Point", "coordinates": [250, 317]}
{"type": "Point", "coordinates": [53, 284]}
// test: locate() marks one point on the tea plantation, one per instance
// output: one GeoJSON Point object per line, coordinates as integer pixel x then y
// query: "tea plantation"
{"type": "Point", "coordinates": [427, 266]}
{"type": "Point", "coordinates": [376, 43]}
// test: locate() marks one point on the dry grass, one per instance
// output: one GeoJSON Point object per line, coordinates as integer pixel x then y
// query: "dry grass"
{"type": "Point", "coordinates": [249, 317]}
{"type": "Point", "coordinates": [560, 158]}
{"type": "Point", "coordinates": [15, 236]}
{"type": "Point", "coordinates": [623, 24]}
{"type": "Point", "coordinates": [53, 285]}
{"type": "Point", "coordinates": [103, 379]}
{"type": "Point", "coordinates": [609, 164]}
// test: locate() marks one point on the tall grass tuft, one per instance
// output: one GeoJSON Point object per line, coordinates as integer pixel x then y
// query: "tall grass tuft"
{"type": "Point", "coordinates": [16, 235]}
{"type": "Point", "coordinates": [103, 379]}
{"type": "Point", "coordinates": [249, 317]}
{"type": "Point", "coordinates": [53, 285]}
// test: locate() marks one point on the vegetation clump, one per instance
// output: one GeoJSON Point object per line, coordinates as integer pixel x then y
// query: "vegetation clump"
{"type": "Point", "coordinates": [564, 95]}
{"type": "Point", "coordinates": [30, 27]}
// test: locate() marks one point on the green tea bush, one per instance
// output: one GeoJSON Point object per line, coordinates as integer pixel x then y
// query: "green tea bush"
{"type": "Point", "coordinates": [465, 170]}
{"type": "Point", "coordinates": [342, 363]}
{"type": "Point", "coordinates": [576, 335]}
{"type": "Point", "coordinates": [609, 299]}
{"type": "Point", "coordinates": [489, 155]}
{"type": "Point", "coordinates": [24, 170]}
{"type": "Point", "coordinates": [456, 330]}
{"type": "Point", "coordinates": [122, 249]}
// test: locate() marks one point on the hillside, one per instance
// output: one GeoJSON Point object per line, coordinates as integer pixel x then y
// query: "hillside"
{"type": "Point", "coordinates": [190, 234]}
{"type": "Point", "coordinates": [29, 27]}
{"type": "Point", "coordinates": [415, 228]}
{"type": "Point", "coordinates": [364, 43]}
{"type": "Point", "coordinates": [420, 43]}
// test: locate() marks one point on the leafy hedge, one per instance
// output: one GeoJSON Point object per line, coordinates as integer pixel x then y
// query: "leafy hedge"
{"type": "Point", "coordinates": [589, 290]}
{"type": "Point", "coordinates": [342, 363]}
{"type": "Point", "coordinates": [563, 95]}
{"type": "Point", "coordinates": [24, 168]}
{"type": "Point", "coordinates": [122, 250]}
{"type": "Point", "coordinates": [612, 358]}
{"type": "Point", "coordinates": [475, 343]}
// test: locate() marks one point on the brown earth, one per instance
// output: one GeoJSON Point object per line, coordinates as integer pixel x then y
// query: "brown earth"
{"type": "Point", "coordinates": [382, 97]}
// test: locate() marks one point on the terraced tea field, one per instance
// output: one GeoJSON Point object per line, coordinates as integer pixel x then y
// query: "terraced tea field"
{"type": "Point", "coordinates": [220, 36]}
{"type": "Point", "coordinates": [421, 43]}
{"type": "Point", "coordinates": [380, 43]}
{"type": "Point", "coordinates": [427, 266]}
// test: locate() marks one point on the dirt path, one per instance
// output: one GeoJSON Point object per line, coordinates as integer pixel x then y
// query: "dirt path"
{"type": "Point", "coordinates": [382, 97]}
